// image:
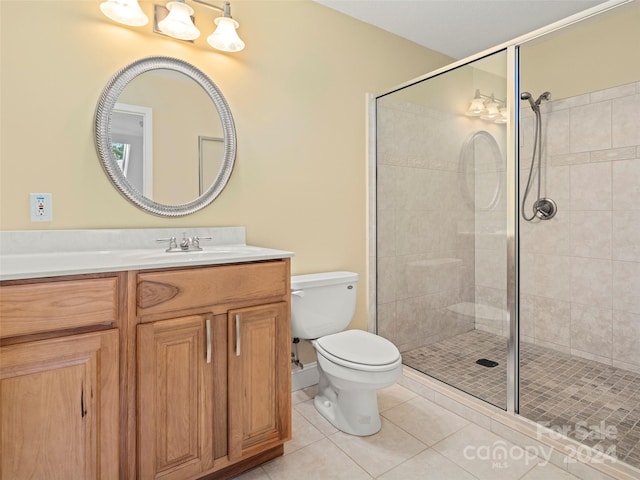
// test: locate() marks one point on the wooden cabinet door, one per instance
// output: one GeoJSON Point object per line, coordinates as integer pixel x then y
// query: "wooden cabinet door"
{"type": "Point", "coordinates": [59, 408]}
{"type": "Point", "coordinates": [175, 428]}
{"type": "Point", "coordinates": [259, 378]}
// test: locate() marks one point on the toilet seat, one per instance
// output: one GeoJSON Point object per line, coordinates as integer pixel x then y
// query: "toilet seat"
{"type": "Point", "coordinates": [359, 350]}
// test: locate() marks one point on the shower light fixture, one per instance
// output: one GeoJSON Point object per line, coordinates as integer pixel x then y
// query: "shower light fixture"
{"type": "Point", "coordinates": [503, 117]}
{"type": "Point", "coordinates": [177, 21]}
{"type": "Point", "coordinates": [487, 107]}
{"type": "Point", "coordinates": [492, 111]}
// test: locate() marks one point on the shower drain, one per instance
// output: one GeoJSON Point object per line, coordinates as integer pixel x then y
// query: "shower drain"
{"type": "Point", "coordinates": [486, 363]}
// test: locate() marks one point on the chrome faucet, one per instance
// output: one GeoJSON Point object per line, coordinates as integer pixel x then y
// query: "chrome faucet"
{"type": "Point", "coordinates": [187, 244]}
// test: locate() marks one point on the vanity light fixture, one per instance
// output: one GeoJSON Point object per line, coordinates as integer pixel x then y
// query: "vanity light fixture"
{"type": "Point", "coordinates": [127, 12]}
{"type": "Point", "coordinates": [487, 107]}
{"type": "Point", "coordinates": [176, 21]}
{"type": "Point", "coordinates": [179, 20]}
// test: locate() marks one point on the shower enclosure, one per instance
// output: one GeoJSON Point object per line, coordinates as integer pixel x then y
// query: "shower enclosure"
{"type": "Point", "coordinates": [507, 240]}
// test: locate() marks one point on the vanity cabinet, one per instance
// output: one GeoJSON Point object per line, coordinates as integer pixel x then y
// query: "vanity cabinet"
{"type": "Point", "coordinates": [177, 373]}
{"type": "Point", "coordinates": [213, 375]}
{"type": "Point", "coordinates": [59, 378]}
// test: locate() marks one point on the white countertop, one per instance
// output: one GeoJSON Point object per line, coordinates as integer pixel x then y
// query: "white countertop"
{"type": "Point", "coordinates": [96, 256]}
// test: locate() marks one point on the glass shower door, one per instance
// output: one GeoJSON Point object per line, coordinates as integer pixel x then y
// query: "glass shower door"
{"type": "Point", "coordinates": [580, 269]}
{"type": "Point", "coordinates": [441, 226]}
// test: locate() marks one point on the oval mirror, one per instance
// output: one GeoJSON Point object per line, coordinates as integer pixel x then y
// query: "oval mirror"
{"type": "Point", "coordinates": [482, 165]}
{"type": "Point", "coordinates": [165, 136]}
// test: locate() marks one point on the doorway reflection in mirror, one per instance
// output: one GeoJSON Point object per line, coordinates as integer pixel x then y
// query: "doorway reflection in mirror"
{"type": "Point", "coordinates": [131, 125]}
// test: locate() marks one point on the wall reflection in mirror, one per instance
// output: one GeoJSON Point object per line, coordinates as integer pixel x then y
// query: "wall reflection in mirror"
{"type": "Point", "coordinates": [210, 154]}
{"type": "Point", "coordinates": [181, 114]}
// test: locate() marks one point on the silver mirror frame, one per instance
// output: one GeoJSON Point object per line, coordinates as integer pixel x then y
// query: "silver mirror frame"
{"type": "Point", "coordinates": [103, 137]}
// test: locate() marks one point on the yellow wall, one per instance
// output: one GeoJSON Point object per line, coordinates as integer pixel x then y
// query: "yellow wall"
{"type": "Point", "coordinates": [595, 54]}
{"type": "Point", "coordinates": [297, 93]}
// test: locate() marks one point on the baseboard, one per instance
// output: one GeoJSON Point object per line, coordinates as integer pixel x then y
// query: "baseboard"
{"type": "Point", "coordinates": [304, 378]}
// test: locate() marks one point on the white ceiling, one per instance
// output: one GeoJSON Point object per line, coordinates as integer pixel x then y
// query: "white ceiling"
{"type": "Point", "coordinates": [459, 28]}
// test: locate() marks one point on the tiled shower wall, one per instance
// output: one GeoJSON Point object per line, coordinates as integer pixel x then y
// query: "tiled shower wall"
{"type": "Point", "coordinates": [580, 271]}
{"type": "Point", "coordinates": [426, 245]}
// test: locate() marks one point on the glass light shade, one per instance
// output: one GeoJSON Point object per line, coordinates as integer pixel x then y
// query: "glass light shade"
{"type": "Point", "coordinates": [476, 108]}
{"type": "Point", "coordinates": [492, 111]}
{"type": "Point", "coordinates": [127, 12]}
{"type": "Point", "coordinates": [503, 117]}
{"type": "Point", "coordinates": [225, 37]}
{"type": "Point", "coordinates": [178, 23]}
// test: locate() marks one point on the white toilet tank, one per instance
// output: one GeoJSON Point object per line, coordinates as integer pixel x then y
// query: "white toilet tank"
{"type": "Point", "coordinates": [322, 303]}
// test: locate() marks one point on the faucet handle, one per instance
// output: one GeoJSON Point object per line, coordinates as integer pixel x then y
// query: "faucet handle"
{"type": "Point", "coordinates": [196, 241]}
{"type": "Point", "coordinates": [173, 243]}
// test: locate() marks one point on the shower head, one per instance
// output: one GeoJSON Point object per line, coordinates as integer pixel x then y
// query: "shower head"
{"type": "Point", "coordinates": [546, 96]}
{"type": "Point", "coordinates": [535, 106]}
{"type": "Point", "coordinates": [527, 96]}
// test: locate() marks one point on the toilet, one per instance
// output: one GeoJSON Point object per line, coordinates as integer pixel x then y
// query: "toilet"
{"type": "Point", "coordinates": [353, 364]}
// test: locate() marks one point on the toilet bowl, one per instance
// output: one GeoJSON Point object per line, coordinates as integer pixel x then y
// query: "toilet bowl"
{"type": "Point", "coordinates": [352, 365]}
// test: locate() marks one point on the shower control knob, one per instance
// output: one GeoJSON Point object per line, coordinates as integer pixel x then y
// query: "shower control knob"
{"type": "Point", "coordinates": [545, 209]}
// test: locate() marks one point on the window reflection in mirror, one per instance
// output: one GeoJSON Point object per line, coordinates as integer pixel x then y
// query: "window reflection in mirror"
{"type": "Point", "coordinates": [121, 152]}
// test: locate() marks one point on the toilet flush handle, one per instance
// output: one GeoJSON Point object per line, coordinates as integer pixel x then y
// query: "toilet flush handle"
{"type": "Point", "coordinates": [298, 293]}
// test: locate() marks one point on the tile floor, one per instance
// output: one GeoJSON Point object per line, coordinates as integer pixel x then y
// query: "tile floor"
{"type": "Point", "coordinates": [418, 440]}
{"type": "Point", "coordinates": [556, 389]}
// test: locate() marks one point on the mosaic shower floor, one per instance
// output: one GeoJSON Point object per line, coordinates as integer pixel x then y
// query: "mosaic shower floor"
{"type": "Point", "coordinates": [596, 404]}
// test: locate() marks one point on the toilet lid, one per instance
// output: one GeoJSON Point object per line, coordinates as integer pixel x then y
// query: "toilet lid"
{"type": "Point", "coordinates": [358, 346]}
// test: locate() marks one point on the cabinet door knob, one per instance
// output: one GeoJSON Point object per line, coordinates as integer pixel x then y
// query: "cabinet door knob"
{"type": "Point", "coordinates": [237, 335]}
{"type": "Point", "coordinates": [208, 326]}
